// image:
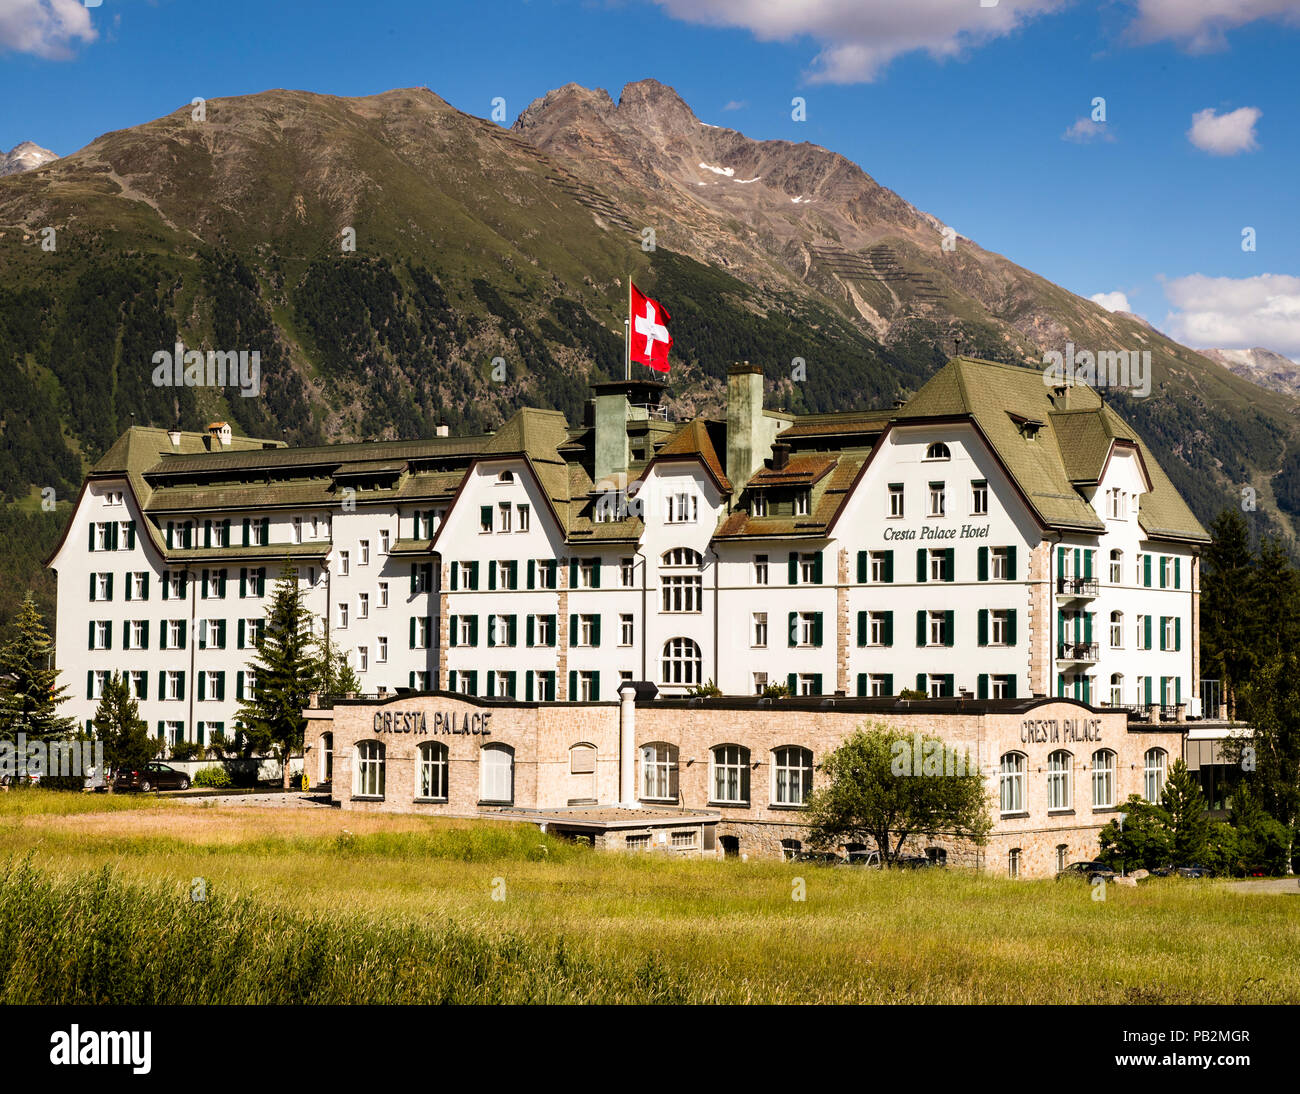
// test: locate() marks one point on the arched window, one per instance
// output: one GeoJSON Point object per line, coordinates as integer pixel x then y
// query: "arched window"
{"type": "Point", "coordinates": [1103, 779]}
{"type": "Point", "coordinates": [938, 451]}
{"type": "Point", "coordinates": [682, 661]}
{"type": "Point", "coordinates": [1011, 783]}
{"type": "Point", "coordinates": [431, 783]}
{"type": "Point", "coordinates": [1013, 862]}
{"type": "Point", "coordinates": [506, 476]}
{"type": "Point", "coordinates": [730, 779]}
{"type": "Point", "coordinates": [582, 772]}
{"type": "Point", "coordinates": [1060, 768]}
{"type": "Point", "coordinates": [1116, 630]}
{"type": "Point", "coordinates": [1116, 567]}
{"type": "Point", "coordinates": [1153, 773]}
{"type": "Point", "coordinates": [368, 773]}
{"type": "Point", "coordinates": [682, 556]}
{"type": "Point", "coordinates": [497, 774]}
{"type": "Point", "coordinates": [792, 772]}
{"type": "Point", "coordinates": [659, 772]}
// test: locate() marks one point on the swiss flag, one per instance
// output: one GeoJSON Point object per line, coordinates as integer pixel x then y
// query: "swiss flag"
{"type": "Point", "coordinates": [650, 338]}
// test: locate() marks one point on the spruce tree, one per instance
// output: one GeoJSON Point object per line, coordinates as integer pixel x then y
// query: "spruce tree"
{"type": "Point", "coordinates": [285, 672]}
{"type": "Point", "coordinates": [1229, 627]}
{"type": "Point", "coordinates": [1270, 757]}
{"type": "Point", "coordinates": [117, 723]}
{"type": "Point", "coordinates": [1184, 816]}
{"type": "Point", "coordinates": [30, 694]}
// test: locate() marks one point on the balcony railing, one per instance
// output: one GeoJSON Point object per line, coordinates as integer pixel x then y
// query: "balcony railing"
{"type": "Point", "coordinates": [1076, 588]}
{"type": "Point", "coordinates": [1077, 651]}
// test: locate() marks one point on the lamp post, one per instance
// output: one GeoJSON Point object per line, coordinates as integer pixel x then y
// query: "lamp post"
{"type": "Point", "coordinates": [1123, 866]}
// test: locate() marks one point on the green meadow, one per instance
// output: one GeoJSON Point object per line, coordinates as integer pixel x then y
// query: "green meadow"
{"type": "Point", "coordinates": [126, 899]}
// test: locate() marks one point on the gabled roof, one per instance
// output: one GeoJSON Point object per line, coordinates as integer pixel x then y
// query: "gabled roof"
{"type": "Point", "coordinates": [694, 441]}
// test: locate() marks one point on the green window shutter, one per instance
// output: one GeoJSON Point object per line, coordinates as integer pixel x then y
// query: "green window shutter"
{"type": "Point", "coordinates": [130, 535]}
{"type": "Point", "coordinates": [554, 635]}
{"type": "Point", "coordinates": [1147, 690]}
{"type": "Point", "coordinates": [473, 631]}
{"type": "Point", "coordinates": [126, 634]}
{"type": "Point", "coordinates": [492, 574]}
{"type": "Point", "coordinates": [1162, 631]}
{"type": "Point", "coordinates": [144, 634]}
{"type": "Point", "coordinates": [411, 639]}
{"type": "Point", "coordinates": [112, 532]}
{"type": "Point", "coordinates": [144, 588]}
{"type": "Point", "coordinates": [793, 568]}
{"type": "Point", "coordinates": [144, 685]}
{"type": "Point", "coordinates": [1178, 576]}
{"type": "Point", "coordinates": [595, 573]}
{"type": "Point", "coordinates": [1146, 632]}
{"type": "Point", "coordinates": [512, 568]}
{"type": "Point", "coordinates": [451, 680]}
{"type": "Point", "coordinates": [920, 628]}
{"type": "Point", "coordinates": [949, 686]}
{"type": "Point", "coordinates": [817, 628]}
{"type": "Point", "coordinates": [921, 683]}
{"type": "Point", "coordinates": [595, 685]}
{"type": "Point", "coordinates": [207, 533]}
{"type": "Point", "coordinates": [573, 685]}
{"type": "Point", "coordinates": [248, 532]}
{"type": "Point", "coordinates": [180, 688]}
{"type": "Point", "coordinates": [573, 629]}
{"type": "Point", "coordinates": [221, 584]}
{"type": "Point", "coordinates": [261, 581]}
{"type": "Point", "coordinates": [239, 634]}
{"type": "Point", "coordinates": [920, 564]}
{"type": "Point", "coordinates": [1060, 684]}
{"type": "Point", "coordinates": [532, 576]}
{"type": "Point", "coordinates": [862, 685]}
{"type": "Point", "coordinates": [793, 632]}
{"type": "Point", "coordinates": [528, 683]}
{"type": "Point", "coordinates": [181, 644]}
{"type": "Point", "coordinates": [90, 683]}
{"type": "Point", "coordinates": [983, 566]}
{"type": "Point", "coordinates": [108, 591]}
{"type": "Point", "coordinates": [414, 579]}
{"type": "Point", "coordinates": [949, 564]}
{"type": "Point", "coordinates": [1178, 689]}
{"type": "Point", "coordinates": [243, 582]}
{"type": "Point", "coordinates": [889, 629]}
{"type": "Point", "coordinates": [473, 576]}
{"type": "Point", "coordinates": [512, 630]}
{"type": "Point", "coordinates": [239, 685]}
{"type": "Point", "coordinates": [862, 567]}
{"type": "Point", "coordinates": [492, 631]}
{"type": "Point", "coordinates": [862, 628]}
{"type": "Point", "coordinates": [92, 541]}
{"type": "Point", "coordinates": [1088, 557]}
{"type": "Point", "coordinates": [203, 686]}
{"type": "Point", "coordinates": [510, 683]}
{"type": "Point", "coordinates": [817, 568]}
{"type": "Point", "coordinates": [1146, 571]}
{"type": "Point", "coordinates": [162, 729]}
{"type": "Point", "coordinates": [982, 691]}
{"type": "Point", "coordinates": [166, 585]}
{"type": "Point", "coordinates": [573, 573]}
{"type": "Point", "coordinates": [1078, 562]}
{"type": "Point", "coordinates": [792, 682]}
{"type": "Point", "coordinates": [889, 565]}
{"type": "Point", "coordinates": [1162, 571]}
{"type": "Point", "coordinates": [1011, 563]}
{"type": "Point", "coordinates": [1178, 633]}
{"type": "Point", "coordinates": [887, 682]}
{"type": "Point", "coordinates": [595, 630]}
{"type": "Point", "coordinates": [1011, 627]}
{"type": "Point", "coordinates": [530, 631]}
{"type": "Point", "coordinates": [816, 683]}
{"type": "Point", "coordinates": [949, 630]}
{"type": "Point", "coordinates": [93, 583]}
{"type": "Point", "coordinates": [162, 684]}
{"type": "Point", "coordinates": [1087, 627]}
{"type": "Point", "coordinates": [983, 630]}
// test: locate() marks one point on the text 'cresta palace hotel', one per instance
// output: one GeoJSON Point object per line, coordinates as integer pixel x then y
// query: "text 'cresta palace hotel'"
{"type": "Point", "coordinates": [1010, 549]}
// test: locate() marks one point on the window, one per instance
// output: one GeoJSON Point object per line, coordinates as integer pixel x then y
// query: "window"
{"type": "Point", "coordinates": [682, 663]}
{"type": "Point", "coordinates": [1153, 772]}
{"type": "Point", "coordinates": [384, 541]}
{"type": "Point", "coordinates": [881, 566]}
{"type": "Point", "coordinates": [343, 614]}
{"type": "Point", "coordinates": [760, 629]}
{"type": "Point", "coordinates": [792, 771]}
{"type": "Point", "coordinates": [587, 571]}
{"type": "Point", "coordinates": [626, 572]}
{"type": "Point", "coordinates": [937, 631]}
{"type": "Point", "coordinates": [101, 635]}
{"type": "Point", "coordinates": [979, 498]}
{"type": "Point", "coordinates": [802, 503]}
{"type": "Point", "coordinates": [938, 451]}
{"type": "Point", "coordinates": [790, 848]}
{"type": "Point", "coordinates": [383, 594]}
{"type": "Point", "coordinates": [213, 584]}
{"type": "Point", "coordinates": [363, 658]}
{"type": "Point", "coordinates": [98, 682]}
{"type": "Point", "coordinates": [999, 630]}
{"type": "Point", "coordinates": [544, 571]}
{"type": "Point", "coordinates": [522, 513]}
{"type": "Point", "coordinates": [758, 504]}
{"type": "Point", "coordinates": [497, 765]}
{"type": "Point", "coordinates": [639, 841]}
{"type": "Point", "coordinates": [586, 688]}
{"type": "Point", "coordinates": [503, 516]}
{"type": "Point", "coordinates": [1116, 690]}
{"type": "Point", "coordinates": [1003, 687]}
{"type": "Point", "coordinates": [504, 573]}
{"type": "Point", "coordinates": [1060, 768]}
{"type": "Point", "coordinates": [626, 630]}
{"type": "Point", "coordinates": [880, 626]}
{"type": "Point", "coordinates": [1011, 784]}
{"type": "Point", "coordinates": [343, 564]}
{"type": "Point", "coordinates": [137, 587]}
{"type": "Point", "coordinates": [730, 778]}
{"type": "Point", "coordinates": [467, 624]}
{"type": "Point", "coordinates": [543, 630]}
{"type": "Point", "coordinates": [139, 685]}
{"type": "Point", "coordinates": [938, 503]}
{"type": "Point", "coordinates": [363, 605]}
{"type": "Point", "coordinates": [760, 569]}
{"type": "Point", "coordinates": [174, 686]}
{"type": "Point", "coordinates": [684, 840]}
{"type": "Point", "coordinates": [485, 518]}
{"type": "Point", "coordinates": [1169, 633]}
{"type": "Point", "coordinates": [682, 508]}
{"type": "Point", "coordinates": [760, 683]}
{"type": "Point", "coordinates": [809, 564]}
{"type": "Point", "coordinates": [1103, 779]}
{"type": "Point", "coordinates": [1001, 568]}
{"type": "Point", "coordinates": [368, 779]}
{"type": "Point", "coordinates": [1061, 852]}
{"type": "Point", "coordinates": [1116, 567]}
{"type": "Point", "coordinates": [432, 785]}
{"type": "Point", "coordinates": [381, 649]}
{"type": "Point", "coordinates": [501, 684]}
{"type": "Point", "coordinates": [939, 570]}
{"type": "Point", "coordinates": [659, 772]}
{"type": "Point", "coordinates": [682, 593]}
{"type": "Point", "coordinates": [895, 499]}
{"type": "Point", "coordinates": [363, 552]}
{"type": "Point", "coordinates": [807, 626]}
{"type": "Point", "coordinates": [682, 556]}
{"type": "Point", "coordinates": [102, 587]}
{"type": "Point", "coordinates": [880, 684]}
{"type": "Point", "coordinates": [588, 631]}
{"type": "Point", "coordinates": [1141, 633]}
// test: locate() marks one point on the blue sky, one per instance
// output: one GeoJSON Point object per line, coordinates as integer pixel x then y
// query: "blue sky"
{"type": "Point", "coordinates": [963, 110]}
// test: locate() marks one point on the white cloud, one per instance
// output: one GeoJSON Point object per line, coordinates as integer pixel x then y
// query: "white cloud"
{"type": "Point", "coordinates": [860, 37]}
{"type": "Point", "coordinates": [1201, 26]}
{"type": "Point", "coordinates": [1236, 313]}
{"type": "Point", "coordinates": [1225, 134]}
{"type": "Point", "coordinates": [736, 104]}
{"type": "Point", "coordinates": [1111, 301]}
{"type": "Point", "coordinates": [1085, 129]}
{"type": "Point", "coordinates": [47, 28]}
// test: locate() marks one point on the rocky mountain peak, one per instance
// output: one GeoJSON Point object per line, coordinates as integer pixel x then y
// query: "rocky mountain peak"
{"type": "Point", "coordinates": [25, 156]}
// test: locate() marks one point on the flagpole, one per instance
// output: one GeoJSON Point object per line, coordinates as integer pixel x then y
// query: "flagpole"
{"type": "Point", "coordinates": [627, 333]}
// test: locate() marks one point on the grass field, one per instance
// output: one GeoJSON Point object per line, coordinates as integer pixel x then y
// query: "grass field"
{"type": "Point", "coordinates": [320, 906]}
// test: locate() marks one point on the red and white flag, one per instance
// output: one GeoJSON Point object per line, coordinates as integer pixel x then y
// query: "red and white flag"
{"type": "Point", "coordinates": [650, 338]}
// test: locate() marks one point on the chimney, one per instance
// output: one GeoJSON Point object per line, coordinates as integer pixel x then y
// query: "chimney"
{"type": "Point", "coordinates": [745, 435]}
{"type": "Point", "coordinates": [442, 429]}
{"type": "Point", "coordinates": [612, 406]}
{"type": "Point", "coordinates": [780, 456]}
{"type": "Point", "coordinates": [174, 435]}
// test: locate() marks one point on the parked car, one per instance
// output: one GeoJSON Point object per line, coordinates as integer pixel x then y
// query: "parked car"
{"type": "Point", "coordinates": [153, 776]}
{"type": "Point", "coordinates": [819, 858]}
{"type": "Point", "coordinates": [913, 862]}
{"type": "Point", "coordinates": [1194, 870]}
{"type": "Point", "coordinates": [1088, 871]}
{"type": "Point", "coordinates": [861, 858]}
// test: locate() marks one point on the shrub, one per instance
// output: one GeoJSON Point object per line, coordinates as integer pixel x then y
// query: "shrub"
{"type": "Point", "coordinates": [215, 778]}
{"type": "Point", "coordinates": [188, 750]}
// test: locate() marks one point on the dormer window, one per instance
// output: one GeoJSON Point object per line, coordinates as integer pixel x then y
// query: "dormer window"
{"type": "Point", "coordinates": [802, 503]}
{"type": "Point", "coordinates": [758, 504]}
{"type": "Point", "coordinates": [938, 451]}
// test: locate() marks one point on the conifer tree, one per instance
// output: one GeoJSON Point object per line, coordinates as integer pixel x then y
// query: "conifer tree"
{"type": "Point", "coordinates": [30, 694]}
{"type": "Point", "coordinates": [1183, 807]}
{"type": "Point", "coordinates": [117, 723]}
{"type": "Point", "coordinates": [1270, 757]}
{"type": "Point", "coordinates": [1229, 627]}
{"type": "Point", "coordinates": [285, 671]}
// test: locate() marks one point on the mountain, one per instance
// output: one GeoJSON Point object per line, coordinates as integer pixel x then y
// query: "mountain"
{"type": "Point", "coordinates": [381, 253]}
{"type": "Point", "coordinates": [1260, 366]}
{"type": "Point", "coordinates": [24, 157]}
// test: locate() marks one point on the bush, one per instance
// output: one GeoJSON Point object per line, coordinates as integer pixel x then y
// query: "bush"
{"type": "Point", "coordinates": [188, 750]}
{"type": "Point", "coordinates": [214, 778]}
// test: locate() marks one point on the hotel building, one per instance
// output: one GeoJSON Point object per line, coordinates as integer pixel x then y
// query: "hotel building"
{"type": "Point", "coordinates": [993, 544]}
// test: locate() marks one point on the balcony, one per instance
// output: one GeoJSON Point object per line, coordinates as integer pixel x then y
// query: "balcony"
{"type": "Point", "coordinates": [1082, 653]}
{"type": "Point", "coordinates": [1076, 588]}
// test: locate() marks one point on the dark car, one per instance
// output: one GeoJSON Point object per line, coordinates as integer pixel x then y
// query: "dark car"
{"type": "Point", "coordinates": [819, 858]}
{"type": "Point", "coordinates": [1193, 870]}
{"type": "Point", "coordinates": [1088, 871]}
{"type": "Point", "coordinates": [153, 776]}
{"type": "Point", "coordinates": [913, 862]}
